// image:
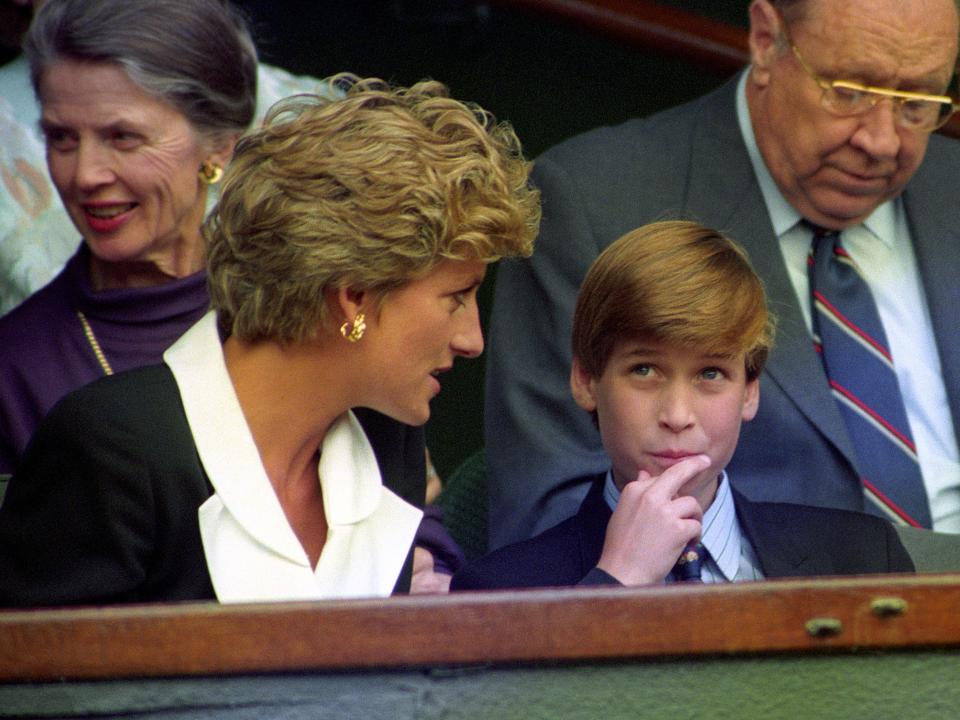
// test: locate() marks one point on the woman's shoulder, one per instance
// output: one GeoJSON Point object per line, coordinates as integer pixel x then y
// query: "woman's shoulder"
{"type": "Point", "coordinates": [139, 391]}
{"type": "Point", "coordinates": [42, 312]}
{"type": "Point", "coordinates": [128, 424]}
{"type": "Point", "coordinates": [38, 324]}
{"type": "Point", "coordinates": [143, 401]}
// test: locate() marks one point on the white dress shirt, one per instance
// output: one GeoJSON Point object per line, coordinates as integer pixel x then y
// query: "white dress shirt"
{"type": "Point", "coordinates": [252, 552]}
{"type": "Point", "coordinates": [882, 247]}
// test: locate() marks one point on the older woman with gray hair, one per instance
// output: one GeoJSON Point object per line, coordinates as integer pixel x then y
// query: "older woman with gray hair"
{"type": "Point", "coordinates": [141, 104]}
{"type": "Point", "coordinates": [277, 453]}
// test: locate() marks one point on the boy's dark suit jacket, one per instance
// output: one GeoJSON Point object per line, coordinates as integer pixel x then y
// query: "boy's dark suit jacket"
{"type": "Point", "coordinates": [103, 506]}
{"type": "Point", "coordinates": [789, 540]}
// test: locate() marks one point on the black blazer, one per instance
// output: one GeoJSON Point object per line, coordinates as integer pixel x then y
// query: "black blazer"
{"type": "Point", "coordinates": [789, 540]}
{"type": "Point", "coordinates": [103, 507]}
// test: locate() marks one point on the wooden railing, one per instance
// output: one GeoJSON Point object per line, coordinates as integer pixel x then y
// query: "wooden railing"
{"type": "Point", "coordinates": [718, 46]}
{"type": "Point", "coordinates": [541, 626]}
{"type": "Point", "coordinates": [713, 45]}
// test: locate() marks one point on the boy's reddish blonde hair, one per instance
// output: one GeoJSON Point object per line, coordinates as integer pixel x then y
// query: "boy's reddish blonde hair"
{"type": "Point", "coordinates": [675, 282]}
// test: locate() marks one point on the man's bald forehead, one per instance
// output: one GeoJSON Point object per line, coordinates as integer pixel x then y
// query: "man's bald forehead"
{"type": "Point", "coordinates": [793, 10]}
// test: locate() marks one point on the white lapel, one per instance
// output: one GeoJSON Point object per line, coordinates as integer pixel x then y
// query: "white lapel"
{"type": "Point", "coordinates": [252, 552]}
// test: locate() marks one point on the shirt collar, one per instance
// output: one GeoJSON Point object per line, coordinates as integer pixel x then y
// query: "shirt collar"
{"type": "Point", "coordinates": [783, 216]}
{"type": "Point", "coordinates": [243, 525]}
{"type": "Point", "coordinates": [721, 534]}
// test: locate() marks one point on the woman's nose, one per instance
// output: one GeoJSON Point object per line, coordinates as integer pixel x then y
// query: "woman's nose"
{"type": "Point", "coordinates": [94, 166]}
{"type": "Point", "coordinates": [468, 341]}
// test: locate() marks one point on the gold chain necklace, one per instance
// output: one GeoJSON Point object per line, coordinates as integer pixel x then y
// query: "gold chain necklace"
{"type": "Point", "coordinates": [94, 345]}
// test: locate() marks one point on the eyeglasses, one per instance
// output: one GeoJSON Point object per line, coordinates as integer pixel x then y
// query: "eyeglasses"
{"type": "Point", "coordinates": [912, 110]}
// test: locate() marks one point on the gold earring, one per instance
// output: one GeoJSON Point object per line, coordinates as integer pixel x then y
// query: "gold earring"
{"type": "Point", "coordinates": [210, 173]}
{"type": "Point", "coordinates": [355, 332]}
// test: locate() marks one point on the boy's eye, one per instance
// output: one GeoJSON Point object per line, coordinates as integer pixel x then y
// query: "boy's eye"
{"type": "Point", "coordinates": [642, 370]}
{"type": "Point", "coordinates": [711, 373]}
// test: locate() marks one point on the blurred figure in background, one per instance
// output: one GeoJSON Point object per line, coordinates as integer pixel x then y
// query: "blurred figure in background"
{"type": "Point", "coordinates": [36, 235]}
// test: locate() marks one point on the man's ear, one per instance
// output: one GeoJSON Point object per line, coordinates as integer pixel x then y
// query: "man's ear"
{"type": "Point", "coordinates": [751, 399]}
{"type": "Point", "coordinates": [581, 386]}
{"type": "Point", "coordinates": [765, 33]}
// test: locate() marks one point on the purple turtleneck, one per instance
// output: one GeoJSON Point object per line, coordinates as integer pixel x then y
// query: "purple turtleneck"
{"type": "Point", "coordinates": [44, 353]}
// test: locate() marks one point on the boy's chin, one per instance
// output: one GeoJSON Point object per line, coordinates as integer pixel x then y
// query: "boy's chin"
{"type": "Point", "coordinates": [703, 486]}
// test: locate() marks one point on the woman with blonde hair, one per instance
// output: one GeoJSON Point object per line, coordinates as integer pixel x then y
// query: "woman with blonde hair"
{"type": "Point", "coordinates": [277, 454]}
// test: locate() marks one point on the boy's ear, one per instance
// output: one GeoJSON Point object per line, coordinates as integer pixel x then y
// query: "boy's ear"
{"type": "Point", "coordinates": [751, 399]}
{"type": "Point", "coordinates": [581, 386]}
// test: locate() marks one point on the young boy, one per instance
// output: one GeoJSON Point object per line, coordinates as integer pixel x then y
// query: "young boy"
{"type": "Point", "coordinates": [670, 334]}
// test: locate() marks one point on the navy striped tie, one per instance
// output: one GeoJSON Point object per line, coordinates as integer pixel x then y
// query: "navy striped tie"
{"type": "Point", "coordinates": [849, 336]}
{"type": "Point", "coordinates": [690, 563]}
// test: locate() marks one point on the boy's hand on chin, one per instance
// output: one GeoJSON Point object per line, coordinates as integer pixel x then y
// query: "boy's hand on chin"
{"type": "Point", "coordinates": [652, 524]}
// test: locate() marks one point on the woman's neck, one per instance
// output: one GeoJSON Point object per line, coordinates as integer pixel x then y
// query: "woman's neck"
{"type": "Point", "coordinates": [290, 396]}
{"type": "Point", "coordinates": [290, 399]}
{"type": "Point", "coordinates": [144, 273]}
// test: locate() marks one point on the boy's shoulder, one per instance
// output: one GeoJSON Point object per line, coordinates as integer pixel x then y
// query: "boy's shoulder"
{"type": "Point", "coordinates": [802, 540]}
{"type": "Point", "coordinates": [558, 557]}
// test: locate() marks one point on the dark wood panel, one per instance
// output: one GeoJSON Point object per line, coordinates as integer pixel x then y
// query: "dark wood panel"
{"type": "Point", "coordinates": [712, 44]}
{"type": "Point", "coordinates": [721, 47]}
{"type": "Point", "coordinates": [540, 626]}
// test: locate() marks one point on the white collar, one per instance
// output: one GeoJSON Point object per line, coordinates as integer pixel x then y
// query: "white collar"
{"type": "Point", "coordinates": [252, 552]}
{"type": "Point", "coordinates": [721, 534]}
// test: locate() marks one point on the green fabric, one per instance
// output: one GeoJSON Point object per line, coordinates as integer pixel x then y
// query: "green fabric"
{"type": "Point", "coordinates": [834, 686]}
{"type": "Point", "coordinates": [464, 503]}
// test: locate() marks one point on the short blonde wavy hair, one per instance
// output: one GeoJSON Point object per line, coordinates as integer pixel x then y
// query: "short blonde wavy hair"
{"type": "Point", "coordinates": [370, 188]}
{"type": "Point", "coordinates": [675, 282]}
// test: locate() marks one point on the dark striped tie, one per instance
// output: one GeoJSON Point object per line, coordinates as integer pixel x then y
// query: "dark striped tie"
{"type": "Point", "coordinates": [849, 336]}
{"type": "Point", "coordinates": [690, 563]}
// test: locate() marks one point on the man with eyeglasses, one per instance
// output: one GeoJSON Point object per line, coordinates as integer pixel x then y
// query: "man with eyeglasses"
{"type": "Point", "coordinates": [829, 129]}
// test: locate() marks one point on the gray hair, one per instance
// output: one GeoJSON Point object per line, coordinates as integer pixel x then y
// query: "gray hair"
{"type": "Point", "coordinates": [196, 55]}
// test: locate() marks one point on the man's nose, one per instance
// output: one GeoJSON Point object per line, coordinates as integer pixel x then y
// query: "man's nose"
{"type": "Point", "coordinates": [878, 134]}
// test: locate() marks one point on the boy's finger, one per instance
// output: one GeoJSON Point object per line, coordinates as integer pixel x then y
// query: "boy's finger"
{"type": "Point", "coordinates": [674, 477]}
{"type": "Point", "coordinates": [640, 483]}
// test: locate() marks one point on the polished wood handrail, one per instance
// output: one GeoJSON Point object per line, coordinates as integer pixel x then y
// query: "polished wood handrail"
{"type": "Point", "coordinates": [711, 44]}
{"type": "Point", "coordinates": [534, 626]}
{"type": "Point", "coordinates": [715, 45]}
